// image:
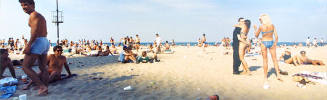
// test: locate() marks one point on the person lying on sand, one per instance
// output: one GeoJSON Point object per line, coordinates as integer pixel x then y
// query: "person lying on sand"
{"type": "Point", "coordinates": [303, 59]}
{"type": "Point", "coordinates": [55, 62]}
{"type": "Point", "coordinates": [6, 62]}
{"type": "Point", "coordinates": [287, 58]}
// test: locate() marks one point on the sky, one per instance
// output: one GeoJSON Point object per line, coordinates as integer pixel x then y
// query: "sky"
{"type": "Point", "coordinates": [181, 20]}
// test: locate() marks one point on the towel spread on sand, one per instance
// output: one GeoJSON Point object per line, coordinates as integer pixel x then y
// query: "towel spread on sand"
{"type": "Point", "coordinates": [319, 77]}
{"type": "Point", "coordinates": [8, 91]}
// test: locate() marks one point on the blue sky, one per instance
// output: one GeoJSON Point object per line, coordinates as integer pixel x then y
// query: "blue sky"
{"type": "Point", "coordinates": [182, 20]}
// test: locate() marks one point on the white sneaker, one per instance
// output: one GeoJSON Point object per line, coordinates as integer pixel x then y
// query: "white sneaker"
{"type": "Point", "coordinates": [266, 85]}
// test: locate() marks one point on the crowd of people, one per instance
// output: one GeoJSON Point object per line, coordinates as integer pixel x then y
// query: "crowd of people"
{"type": "Point", "coordinates": [130, 50]}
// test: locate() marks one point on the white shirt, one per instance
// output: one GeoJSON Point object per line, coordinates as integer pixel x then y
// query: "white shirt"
{"type": "Point", "coordinates": [158, 40]}
{"type": "Point", "coordinates": [308, 40]}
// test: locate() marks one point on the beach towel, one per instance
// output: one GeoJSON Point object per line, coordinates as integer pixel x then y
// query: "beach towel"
{"type": "Point", "coordinates": [8, 91]}
{"type": "Point", "coordinates": [318, 77]}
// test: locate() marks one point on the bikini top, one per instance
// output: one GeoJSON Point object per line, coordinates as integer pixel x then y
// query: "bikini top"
{"type": "Point", "coordinates": [286, 56]}
{"type": "Point", "coordinates": [267, 32]}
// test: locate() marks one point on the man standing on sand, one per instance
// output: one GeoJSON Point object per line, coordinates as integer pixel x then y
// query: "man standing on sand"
{"type": "Point", "coordinates": [37, 47]}
{"type": "Point", "coordinates": [158, 41]}
{"type": "Point", "coordinates": [204, 41]}
{"type": "Point", "coordinates": [236, 57]}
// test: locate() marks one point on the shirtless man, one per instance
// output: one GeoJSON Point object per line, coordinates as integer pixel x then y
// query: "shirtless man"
{"type": "Point", "coordinates": [303, 59]}
{"type": "Point", "coordinates": [37, 47]}
{"type": "Point", "coordinates": [55, 62]}
{"type": "Point", "coordinates": [6, 62]}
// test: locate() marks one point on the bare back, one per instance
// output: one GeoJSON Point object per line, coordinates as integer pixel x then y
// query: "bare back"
{"type": "Point", "coordinates": [270, 29]}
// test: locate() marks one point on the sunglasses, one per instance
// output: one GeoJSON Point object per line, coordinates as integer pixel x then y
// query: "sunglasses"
{"type": "Point", "coordinates": [59, 50]}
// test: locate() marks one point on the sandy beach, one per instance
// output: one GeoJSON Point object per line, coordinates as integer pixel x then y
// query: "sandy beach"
{"type": "Point", "coordinates": [188, 74]}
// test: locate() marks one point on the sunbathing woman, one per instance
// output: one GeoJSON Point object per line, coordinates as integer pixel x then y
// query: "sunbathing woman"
{"type": "Point", "coordinates": [268, 31]}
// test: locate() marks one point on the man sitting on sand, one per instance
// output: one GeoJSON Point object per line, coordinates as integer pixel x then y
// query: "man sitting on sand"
{"type": "Point", "coordinates": [55, 62]}
{"type": "Point", "coordinates": [127, 55]}
{"type": "Point", "coordinates": [106, 52]}
{"type": "Point", "coordinates": [6, 62]}
{"type": "Point", "coordinates": [303, 59]}
{"type": "Point", "coordinates": [167, 48]}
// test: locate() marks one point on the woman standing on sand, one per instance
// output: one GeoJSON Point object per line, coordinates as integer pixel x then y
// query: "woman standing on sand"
{"type": "Point", "coordinates": [244, 44]}
{"type": "Point", "coordinates": [267, 29]}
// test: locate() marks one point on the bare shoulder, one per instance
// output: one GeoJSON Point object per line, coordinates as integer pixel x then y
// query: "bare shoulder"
{"type": "Point", "coordinates": [36, 15]}
{"type": "Point", "coordinates": [50, 56]}
{"type": "Point", "coordinates": [63, 57]}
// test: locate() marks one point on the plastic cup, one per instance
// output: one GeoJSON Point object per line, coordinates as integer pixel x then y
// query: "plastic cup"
{"type": "Point", "coordinates": [23, 97]}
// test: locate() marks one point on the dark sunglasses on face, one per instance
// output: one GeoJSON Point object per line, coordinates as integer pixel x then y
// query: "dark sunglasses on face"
{"type": "Point", "coordinates": [59, 50]}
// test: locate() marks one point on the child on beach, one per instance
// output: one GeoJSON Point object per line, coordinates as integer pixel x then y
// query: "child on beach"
{"type": "Point", "coordinates": [144, 58]}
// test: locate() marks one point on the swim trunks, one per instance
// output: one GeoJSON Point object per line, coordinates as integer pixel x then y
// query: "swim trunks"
{"type": "Point", "coordinates": [40, 46]}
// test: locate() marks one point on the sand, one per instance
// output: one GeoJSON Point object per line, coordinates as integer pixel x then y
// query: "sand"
{"type": "Point", "coordinates": [188, 74]}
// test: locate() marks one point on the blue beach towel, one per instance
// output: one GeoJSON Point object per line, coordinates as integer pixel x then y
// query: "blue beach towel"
{"type": "Point", "coordinates": [8, 91]}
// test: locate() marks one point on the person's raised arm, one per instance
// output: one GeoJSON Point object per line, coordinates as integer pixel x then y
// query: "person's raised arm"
{"type": "Point", "coordinates": [67, 67]}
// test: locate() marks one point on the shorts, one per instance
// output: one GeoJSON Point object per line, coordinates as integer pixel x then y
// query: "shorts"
{"type": "Point", "coordinates": [40, 46]}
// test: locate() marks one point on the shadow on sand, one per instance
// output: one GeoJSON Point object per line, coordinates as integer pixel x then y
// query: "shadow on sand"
{"type": "Point", "coordinates": [254, 68]}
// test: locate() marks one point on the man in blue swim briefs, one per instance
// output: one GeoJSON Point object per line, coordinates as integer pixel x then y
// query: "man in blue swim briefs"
{"type": "Point", "coordinates": [37, 47]}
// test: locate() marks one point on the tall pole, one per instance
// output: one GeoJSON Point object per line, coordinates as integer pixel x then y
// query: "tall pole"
{"type": "Point", "coordinates": [57, 23]}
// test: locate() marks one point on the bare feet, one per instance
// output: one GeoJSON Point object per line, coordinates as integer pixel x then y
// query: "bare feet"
{"type": "Point", "coordinates": [43, 90]}
{"type": "Point", "coordinates": [27, 86]}
{"type": "Point", "coordinates": [245, 73]}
